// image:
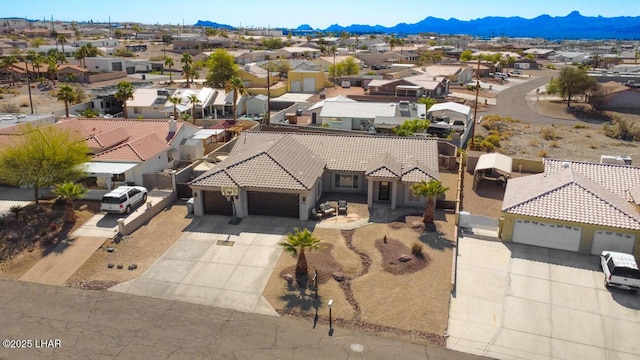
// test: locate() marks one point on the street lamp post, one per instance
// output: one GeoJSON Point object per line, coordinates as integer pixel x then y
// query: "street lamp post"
{"type": "Point", "coordinates": [330, 305]}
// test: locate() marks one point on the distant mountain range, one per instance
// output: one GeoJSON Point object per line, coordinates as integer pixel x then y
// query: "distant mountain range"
{"type": "Point", "coordinates": [572, 26]}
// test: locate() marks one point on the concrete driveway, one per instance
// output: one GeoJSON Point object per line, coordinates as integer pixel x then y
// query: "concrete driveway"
{"type": "Point", "coordinates": [516, 301]}
{"type": "Point", "coordinates": [217, 264]}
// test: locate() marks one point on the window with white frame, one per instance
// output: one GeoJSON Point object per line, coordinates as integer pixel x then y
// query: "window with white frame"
{"type": "Point", "coordinates": [346, 181]}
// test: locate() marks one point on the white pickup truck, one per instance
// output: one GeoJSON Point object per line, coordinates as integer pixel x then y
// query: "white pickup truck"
{"type": "Point", "coordinates": [620, 270]}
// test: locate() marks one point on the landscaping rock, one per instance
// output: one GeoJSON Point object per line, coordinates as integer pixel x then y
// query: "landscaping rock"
{"type": "Point", "coordinates": [405, 258]}
{"type": "Point", "coordinates": [339, 277]}
{"type": "Point", "coordinates": [417, 225]}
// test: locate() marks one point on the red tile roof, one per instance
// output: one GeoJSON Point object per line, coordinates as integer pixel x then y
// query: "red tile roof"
{"type": "Point", "coordinates": [138, 150]}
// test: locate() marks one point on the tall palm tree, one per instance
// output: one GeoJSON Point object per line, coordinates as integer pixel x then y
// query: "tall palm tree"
{"type": "Point", "coordinates": [81, 54]}
{"type": "Point", "coordinates": [295, 245]}
{"type": "Point", "coordinates": [169, 63]}
{"type": "Point", "coordinates": [70, 192]}
{"type": "Point", "coordinates": [187, 61]}
{"type": "Point", "coordinates": [175, 101]}
{"type": "Point", "coordinates": [236, 86]}
{"type": "Point", "coordinates": [61, 39]}
{"type": "Point", "coordinates": [429, 190]}
{"type": "Point", "coordinates": [193, 99]}
{"type": "Point", "coordinates": [66, 94]}
{"type": "Point", "coordinates": [124, 92]}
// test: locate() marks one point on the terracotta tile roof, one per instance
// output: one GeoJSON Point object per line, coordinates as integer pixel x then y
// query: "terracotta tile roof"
{"type": "Point", "coordinates": [619, 179]}
{"type": "Point", "coordinates": [110, 138]}
{"type": "Point", "coordinates": [138, 150]}
{"type": "Point", "coordinates": [296, 161]}
{"type": "Point", "coordinates": [569, 196]}
{"type": "Point", "coordinates": [282, 164]}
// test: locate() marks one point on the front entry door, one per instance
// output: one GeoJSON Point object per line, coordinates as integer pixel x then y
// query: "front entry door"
{"type": "Point", "coordinates": [383, 190]}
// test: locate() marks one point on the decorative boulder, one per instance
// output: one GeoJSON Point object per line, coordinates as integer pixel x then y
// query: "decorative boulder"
{"type": "Point", "coordinates": [339, 277]}
{"type": "Point", "coordinates": [405, 258]}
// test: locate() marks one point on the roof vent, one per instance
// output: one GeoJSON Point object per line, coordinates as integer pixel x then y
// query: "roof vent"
{"type": "Point", "coordinates": [565, 165]}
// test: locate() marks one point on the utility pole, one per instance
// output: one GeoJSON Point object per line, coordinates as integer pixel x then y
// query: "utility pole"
{"type": "Point", "coordinates": [475, 109]}
{"type": "Point", "coordinates": [268, 116]}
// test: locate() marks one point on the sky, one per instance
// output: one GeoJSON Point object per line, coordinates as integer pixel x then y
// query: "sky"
{"type": "Point", "coordinates": [292, 13]}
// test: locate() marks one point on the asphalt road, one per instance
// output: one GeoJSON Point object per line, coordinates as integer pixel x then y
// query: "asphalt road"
{"type": "Point", "coordinates": [512, 102]}
{"type": "Point", "coordinates": [65, 323]}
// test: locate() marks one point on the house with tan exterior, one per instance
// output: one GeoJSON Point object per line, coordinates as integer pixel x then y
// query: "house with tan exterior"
{"type": "Point", "coordinates": [284, 174]}
{"type": "Point", "coordinates": [575, 206]}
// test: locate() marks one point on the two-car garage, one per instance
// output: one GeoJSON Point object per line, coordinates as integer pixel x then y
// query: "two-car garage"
{"type": "Point", "coordinates": [259, 203]}
{"type": "Point", "coordinates": [566, 237]}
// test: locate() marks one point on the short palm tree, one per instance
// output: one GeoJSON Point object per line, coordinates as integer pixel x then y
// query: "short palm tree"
{"type": "Point", "coordinates": [168, 62]}
{"type": "Point", "coordinates": [193, 99]}
{"type": "Point", "coordinates": [429, 190]}
{"type": "Point", "coordinates": [187, 68]}
{"type": "Point", "coordinates": [66, 94]}
{"type": "Point", "coordinates": [61, 39]}
{"type": "Point", "coordinates": [70, 192]}
{"type": "Point", "coordinates": [124, 92]}
{"type": "Point", "coordinates": [236, 86]}
{"type": "Point", "coordinates": [295, 246]}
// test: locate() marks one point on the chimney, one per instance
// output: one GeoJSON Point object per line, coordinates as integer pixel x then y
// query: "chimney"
{"type": "Point", "coordinates": [173, 126]}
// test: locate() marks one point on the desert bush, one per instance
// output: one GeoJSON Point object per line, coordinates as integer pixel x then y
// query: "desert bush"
{"type": "Point", "coordinates": [24, 104]}
{"type": "Point", "coordinates": [542, 153]}
{"type": "Point", "coordinates": [551, 66]}
{"type": "Point", "coordinates": [622, 129]}
{"type": "Point", "coordinates": [554, 144]}
{"type": "Point", "coordinates": [16, 210]}
{"type": "Point", "coordinates": [533, 142]}
{"type": "Point", "coordinates": [593, 146]}
{"type": "Point", "coordinates": [580, 126]}
{"type": "Point", "coordinates": [549, 133]}
{"type": "Point", "coordinates": [9, 108]}
{"type": "Point", "coordinates": [416, 249]}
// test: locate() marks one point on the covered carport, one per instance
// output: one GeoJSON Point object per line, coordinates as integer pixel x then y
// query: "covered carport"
{"type": "Point", "coordinates": [108, 174]}
{"type": "Point", "coordinates": [492, 166]}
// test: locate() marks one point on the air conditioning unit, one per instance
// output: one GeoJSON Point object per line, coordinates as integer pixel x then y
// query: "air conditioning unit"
{"type": "Point", "coordinates": [616, 160]}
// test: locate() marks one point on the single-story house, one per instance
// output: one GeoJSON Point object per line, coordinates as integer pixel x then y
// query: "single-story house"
{"type": "Point", "coordinates": [575, 206]}
{"type": "Point", "coordinates": [305, 81]}
{"type": "Point", "coordinates": [411, 86]}
{"type": "Point", "coordinates": [284, 174]}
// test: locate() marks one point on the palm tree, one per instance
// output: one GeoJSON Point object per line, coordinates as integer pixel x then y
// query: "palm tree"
{"type": "Point", "coordinates": [70, 192]}
{"type": "Point", "coordinates": [169, 62]}
{"type": "Point", "coordinates": [61, 39]}
{"type": "Point", "coordinates": [429, 190]}
{"type": "Point", "coordinates": [66, 94]}
{"type": "Point", "coordinates": [236, 86]}
{"type": "Point", "coordinates": [295, 246]}
{"type": "Point", "coordinates": [175, 101]}
{"type": "Point", "coordinates": [7, 64]}
{"type": "Point", "coordinates": [52, 64]}
{"type": "Point", "coordinates": [124, 92]}
{"type": "Point", "coordinates": [193, 98]}
{"type": "Point", "coordinates": [187, 60]}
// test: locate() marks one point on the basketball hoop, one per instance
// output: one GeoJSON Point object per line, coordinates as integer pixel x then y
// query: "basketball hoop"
{"type": "Point", "coordinates": [229, 191]}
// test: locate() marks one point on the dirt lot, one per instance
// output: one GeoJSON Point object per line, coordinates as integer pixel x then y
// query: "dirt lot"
{"type": "Point", "coordinates": [142, 248]}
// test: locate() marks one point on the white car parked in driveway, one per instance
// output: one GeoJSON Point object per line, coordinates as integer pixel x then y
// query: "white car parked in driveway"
{"type": "Point", "coordinates": [123, 199]}
{"type": "Point", "coordinates": [620, 270]}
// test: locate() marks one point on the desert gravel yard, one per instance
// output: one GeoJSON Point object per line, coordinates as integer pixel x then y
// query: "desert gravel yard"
{"type": "Point", "coordinates": [412, 304]}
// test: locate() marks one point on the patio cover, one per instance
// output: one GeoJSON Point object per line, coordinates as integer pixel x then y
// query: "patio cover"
{"type": "Point", "coordinates": [107, 167]}
{"type": "Point", "coordinates": [495, 161]}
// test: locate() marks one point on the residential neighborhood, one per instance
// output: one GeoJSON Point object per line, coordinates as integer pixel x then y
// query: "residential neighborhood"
{"type": "Point", "coordinates": [399, 194]}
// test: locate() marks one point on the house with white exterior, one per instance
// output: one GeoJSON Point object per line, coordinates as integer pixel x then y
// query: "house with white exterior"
{"type": "Point", "coordinates": [284, 174]}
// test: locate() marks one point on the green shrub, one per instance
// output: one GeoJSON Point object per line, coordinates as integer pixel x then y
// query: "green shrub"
{"type": "Point", "coordinates": [416, 249]}
{"type": "Point", "coordinates": [580, 126]}
{"type": "Point", "coordinates": [549, 133]}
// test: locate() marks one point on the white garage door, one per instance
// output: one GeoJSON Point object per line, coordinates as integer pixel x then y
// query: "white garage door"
{"type": "Point", "coordinates": [547, 235]}
{"type": "Point", "coordinates": [309, 85]}
{"type": "Point", "coordinates": [612, 241]}
{"type": "Point", "coordinates": [295, 86]}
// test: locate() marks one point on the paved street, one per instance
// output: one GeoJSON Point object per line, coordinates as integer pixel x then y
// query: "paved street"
{"type": "Point", "coordinates": [109, 325]}
{"type": "Point", "coordinates": [516, 301]}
